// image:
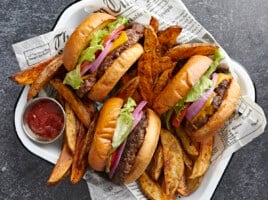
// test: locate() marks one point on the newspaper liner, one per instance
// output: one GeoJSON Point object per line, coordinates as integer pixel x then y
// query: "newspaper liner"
{"type": "Point", "coordinates": [247, 122]}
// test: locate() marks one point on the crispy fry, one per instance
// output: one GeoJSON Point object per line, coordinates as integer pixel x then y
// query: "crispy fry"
{"type": "Point", "coordinates": [44, 77]}
{"type": "Point", "coordinates": [78, 168]}
{"type": "Point", "coordinates": [137, 97]}
{"type": "Point", "coordinates": [132, 73]}
{"type": "Point", "coordinates": [167, 38]}
{"type": "Point", "coordinates": [187, 143]}
{"type": "Point", "coordinates": [173, 161]}
{"type": "Point", "coordinates": [88, 139]}
{"type": "Point", "coordinates": [151, 189]}
{"type": "Point", "coordinates": [184, 51]}
{"type": "Point", "coordinates": [60, 99]}
{"type": "Point", "coordinates": [157, 163]}
{"type": "Point", "coordinates": [187, 161]}
{"type": "Point", "coordinates": [128, 89]}
{"type": "Point", "coordinates": [203, 161]}
{"type": "Point", "coordinates": [89, 105]}
{"type": "Point", "coordinates": [62, 166]}
{"type": "Point", "coordinates": [145, 76]}
{"type": "Point", "coordinates": [29, 75]}
{"type": "Point", "coordinates": [162, 81]}
{"type": "Point", "coordinates": [183, 189]}
{"type": "Point", "coordinates": [193, 184]}
{"type": "Point", "coordinates": [154, 24]}
{"type": "Point", "coordinates": [70, 128]}
{"type": "Point", "coordinates": [151, 43]}
{"type": "Point", "coordinates": [75, 103]}
{"type": "Point", "coordinates": [160, 64]}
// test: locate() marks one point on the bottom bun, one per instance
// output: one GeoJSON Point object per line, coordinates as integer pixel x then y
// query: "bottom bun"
{"type": "Point", "coordinates": [114, 72]}
{"type": "Point", "coordinates": [147, 149]}
{"type": "Point", "coordinates": [224, 112]}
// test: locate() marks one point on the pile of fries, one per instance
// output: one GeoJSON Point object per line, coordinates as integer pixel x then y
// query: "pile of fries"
{"type": "Point", "coordinates": [179, 164]}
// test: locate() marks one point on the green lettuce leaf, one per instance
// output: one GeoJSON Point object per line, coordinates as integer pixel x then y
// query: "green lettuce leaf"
{"type": "Point", "coordinates": [96, 42]}
{"type": "Point", "coordinates": [124, 124]}
{"type": "Point", "coordinates": [73, 78]}
{"type": "Point", "coordinates": [122, 20]}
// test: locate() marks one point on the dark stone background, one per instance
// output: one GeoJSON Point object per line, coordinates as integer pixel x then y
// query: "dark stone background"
{"type": "Point", "coordinates": [240, 26]}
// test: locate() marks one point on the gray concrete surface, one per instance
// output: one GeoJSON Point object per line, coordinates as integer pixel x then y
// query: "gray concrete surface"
{"type": "Point", "coordinates": [240, 26]}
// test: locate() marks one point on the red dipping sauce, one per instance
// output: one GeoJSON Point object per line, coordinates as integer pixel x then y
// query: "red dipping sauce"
{"type": "Point", "coordinates": [45, 119]}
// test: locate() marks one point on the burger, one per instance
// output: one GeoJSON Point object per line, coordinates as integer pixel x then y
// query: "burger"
{"type": "Point", "coordinates": [200, 97]}
{"type": "Point", "coordinates": [125, 139]}
{"type": "Point", "coordinates": [99, 51]}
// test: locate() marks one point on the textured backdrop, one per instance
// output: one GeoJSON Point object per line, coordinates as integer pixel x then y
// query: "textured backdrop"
{"type": "Point", "coordinates": [240, 26]}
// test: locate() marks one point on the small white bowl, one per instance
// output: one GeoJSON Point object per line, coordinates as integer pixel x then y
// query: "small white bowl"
{"type": "Point", "coordinates": [25, 124]}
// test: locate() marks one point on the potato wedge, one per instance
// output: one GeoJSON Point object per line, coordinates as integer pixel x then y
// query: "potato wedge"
{"type": "Point", "coordinates": [184, 51]}
{"type": "Point", "coordinates": [203, 161]}
{"type": "Point", "coordinates": [132, 73]}
{"type": "Point", "coordinates": [183, 189]}
{"type": "Point", "coordinates": [78, 168]}
{"type": "Point", "coordinates": [187, 160]}
{"type": "Point", "coordinates": [193, 184]}
{"type": "Point", "coordinates": [62, 166]}
{"type": "Point", "coordinates": [70, 128]}
{"type": "Point", "coordinates": [145, 76]}
{"type": "Point", "coordinates": [173, 161]}
{"type": "Point", "coordinates": [167, 37]}
{"type": "Point", "coordinates": [75, 103]}
{"type": "Point", "coordinates": [45, 76]}
{"type": "Point", "coordinates": [187, 143]}
{"type": "Point", "coordinates": [29, 75]}
{"type": "Point", "coordinates": [89, 105]}
{"type": "Point", "coordinates": [137, 97]}
{"type": "Point", "coordinates": [151, 43]}
{"type": "Point", "coordinates": [154, 24]}
{"type": "Point", "coordinates": [151, 189]}
{"type": "Point", "coordinates": [128, 89]}
{"type": "Point", "coordinates": [162, 81]}
{"type": "Point", "coordinates": [154, 170]}
{"type": "Point", "coordinates": [160, 64]}
{"type": "Point", "coordinates": [88, 140]}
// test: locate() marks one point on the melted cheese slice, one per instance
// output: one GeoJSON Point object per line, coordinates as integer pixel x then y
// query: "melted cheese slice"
{"type": "Point", "coordinates": [207, 109]}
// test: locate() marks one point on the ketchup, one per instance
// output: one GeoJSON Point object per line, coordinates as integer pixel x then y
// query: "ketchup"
{"type": "Point", "coordinates": [45, 118]}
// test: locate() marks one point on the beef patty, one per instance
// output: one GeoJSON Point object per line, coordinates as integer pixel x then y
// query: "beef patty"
{"type": "Point", "coordinates": [134, 142]}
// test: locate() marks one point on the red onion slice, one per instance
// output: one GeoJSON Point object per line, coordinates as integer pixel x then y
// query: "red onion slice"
{"type": "Point", "coordinates": [119, 153]}
{"type": "Point", "coordinates": [137, 113]}
{"type": "Point", "coordinates": [196, 106]}
{"type": "Point", "coordinates": [93, 66]}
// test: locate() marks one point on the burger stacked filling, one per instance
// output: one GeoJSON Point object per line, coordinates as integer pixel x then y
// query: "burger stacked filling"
{"type": "Point", "coordinates": [105, 46]}
{"type": "Point", "coordinates": [211, 105]}
{"type": "Point", "coordinates": [133, 144]}
{"type": "Point", "coordinates": [203, 99]}
{"type": "Point", "coordinates": [127, 139]}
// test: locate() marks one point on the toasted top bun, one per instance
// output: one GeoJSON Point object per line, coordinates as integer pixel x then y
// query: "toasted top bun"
{"type": "Point", "coordinates": [80, 38]}
{"type": "Point", "coordinates": [217, 120]}
{"type": "Point", "coordinates": [102, 141]}
{"type": "Point", "coordinates": [147, 149]}
{"type": "Point", "coordinates": [181, 83]}
{"type": "Point", "coordinates": [114, 72]}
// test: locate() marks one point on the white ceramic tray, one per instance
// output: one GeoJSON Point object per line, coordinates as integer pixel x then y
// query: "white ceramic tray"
{"type": "Point", "coordinates": [70, 18]}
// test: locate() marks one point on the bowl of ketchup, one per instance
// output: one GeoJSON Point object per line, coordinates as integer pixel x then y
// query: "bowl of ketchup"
{"type": "Point", "coordinates": [43, 119]}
